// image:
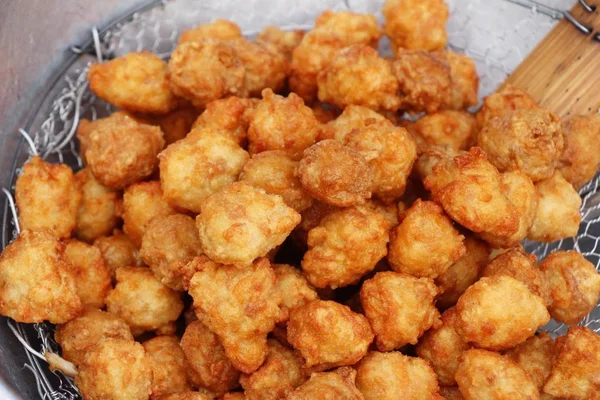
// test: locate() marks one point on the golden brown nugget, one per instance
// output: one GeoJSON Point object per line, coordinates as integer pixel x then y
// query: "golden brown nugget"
{"type": "Point", "coordinates": [219, 29]}
{"type": "Point", "coordinates": [574, 285]}
{"type": "Point", "coordinates": [281, 373]}
{"type": "Point", "coordinates": [84, 129]}
{"type": "Point", "coordinates": [535, 356]}
{"type": "Point", "coordinates": [353, 117]}
{"type": "Point", "coordinates": [205, 70]}
{"type": "Point", "coordinates": [575, 369]}
{"type": "Point", "coordinates": [240, 223]}
{"type": "Point", "coordinates": [328, 334]}
{"type": "Point", "coordinates": [168, 245]}
{"type": "Point", "coordinates": [558, 214]}
{"type": "Point", "coordinates": [188, 396]}
{"type": "Point", "coordinates": [281, 123]}
{"type": "Point", "coordinates": [390, 376]}
{"type": "Point", "coordinates": [450, 129]}
{"type": "Point", "coordinates": [284, 41]}
{"type": "Point", "coordinates": [233, 396]}
{"type": "Point", "coordinates": [91, 276]}
{"type": "Point", "coordinates": [508, 98]}
{"type": "Point", "coordinates": [451, 393]}
{"type": "Point", "coordinates": [36, 281]}
{"type": "Point", "coordinates": [293, 288]}
{"type": "Point", "coordinates": [499, 312]}
{"type": "Point", "coordinates": [136, 82]}
{"type": "Point", "coordinates": [168, 366]}
{"type": "Point", "coordinates": [337, 384]}
{"type": "Point", "coordinates": [311, 217]}
{"type": "Point", "coordinates": [526, 140]}
{"type": "Point", "coordinates": [115, 369]}
{"type": "Point", "coordinates": [399, 307]}
{"type": "Point", "coordinates": [465, 81]}
{"type": "Point", "coordinates": [274, 172]}
{"type": "Point", "coordinates": [228, 116]}
{"type": "Point", "coordinates": [206, 363]}
{"type": "Point", "coordinates": [240, 305]}
{"type": "Point", "coordinates": [176, 124]}
{"type": "Point", "coordinates": [118, 251]}
{"type": "Point", "coordinates": [142, 301]}
{"type": "Point", "coordinates": [425, 244]}
{"type": "Point", "coordinates": [580, 158]}
{"type": "Point", "coordinates": [485, 374]}
{"type": "Point", "coordinates": [431, 157]}
{"type": "Point", "coordinates": [47, 196]}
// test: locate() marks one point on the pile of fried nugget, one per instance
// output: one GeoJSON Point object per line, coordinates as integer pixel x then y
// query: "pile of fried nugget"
{"type": "Point", "coordinates": [261, 221]}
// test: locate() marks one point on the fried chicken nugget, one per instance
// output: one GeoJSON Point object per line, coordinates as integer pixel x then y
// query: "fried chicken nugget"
{"type": "Point", "coordinates": [36, 283]}
{"type": "Point", "coordinates": [353, 117]}
{"type": "Point", "coordinates": [346, 245]}
{"type": "Point", "coordinates": [240, 305]}
{"type": "Point", "coordinates": [218, 29]}
{"type": "Point", "coordinates": [207, 365]}
{"type": "Point", "coordinates": [499, 312]}
{"type": "Point", "coordinates": [399, 307]}
{"type": "Point", "coordinates": [168, 366]}
{"type": "Point", "coordinates": [391, 376]}
{"type": "Point", "coordinates": [535, 356]}
{"type": "Point", "coordinates": [558, 214]}
{"type": "Point", "coordinates": [205, 70]}
{"type": "Point", "coordinates": [136, 82]}
{"type": "Point", "coordinates": [284, 41]}
{"type": "Point", "coordinates": [47, 196]}
{"type": "Point", "coordinates": [485, 374]}
{"type": "Point", "coordinates": [240, 223]}
{"type": "Point", "coordinates": [189, 396]}
{"type": "Point", "coordinates": [451, 129]}
{"type": "Point", "coordinates": [142, 301]}
{"type": "Point", "coordinates": [176, 124]}
{"type": "Point", "coordinates": [293, 288]}
{"type": "Point", "coordinates": [115, 369]}
{"type": "Point", "coordinates": [229, 116]}
{"type": "Point", "coordinates": [574, 285]}
{"type": "Point", "coordinates": [465, 81]}
{"type": "Point", "coordinates": [508, 98]}
{"type": "Point", "coordinates": [337, 384]}
{"type": "Point", "coordinates": [233, 396]}
{"type": "Point", "coordinates": [581, 157]}
{"type": "Point", "coordinates": [118, 251]}
{"type": "Point", "coordinates": [281, 373]}
{"type": "Point", "coordinates": [575, 370]}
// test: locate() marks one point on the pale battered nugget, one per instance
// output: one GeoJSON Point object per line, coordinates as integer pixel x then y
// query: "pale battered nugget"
{"type": "Point", "coordinates": [227, 116]}
{"type": "Point", "coordinates": [416, 24]}
{"type": "Point", "coordinates": [488, 375]}
{"type": "Point", "coordinates": [574, 285]}
{"type": "Point", "coordinates": [282, 123]}
{"type": "Point", "coordinates": [508, 98]}
{"type": "Point", "coordinates": [425, 244]}
{"type": "Point", "coordinates": [575, 369]}
{"type": "Point", "coordinates": [123, 151]}
{"type": "Point", "coordinates": [240, 305]}
{"type": "Point", "coordinates": [136, 82]}
{"type": "Point", "coordinates": [281, 373]}
{"type": "Point", "coordinates": [399, 307]}
{"type": "Point", "coordinates": [499, 312]}
{"type": "Point", "coordinates": [392, 376]}
{"type": "Point", "coordinates": [358, 75]}
{"type": "Point", "coordinates": [142, 301]}
{"type": "Point", "coordinates": [535, 356]}
{"type": "Point", "coordinates": [176, 124]}
{"type": "Point", "coordinates": [424, 80]}
{"type": "Point", "coordinates": [293, 288]}
{"type": "Point", "coordinates": [465, 81]}
{"type": "Point", "coordinates": [558, 214]}
{"type": "Point", "coordinates": [36, 283]}
{"type": "Point", "coordinates": [450, 129]}
{"type": "Point", "coordinates": [346, 245]}
{"type": "Point", "coordinates": [115, 369]}
{"type": "Point", "coordinates": [274, 172]}
{"type": "Point", "coordinates": [82, 333]}
{"type": "Point", "coordinates": [580, 158]}
{"type": "Point", "coordinates": [337, 384]}
{"type": "Point", "coordinates": [219, 29]}
{"type": "Point", "coordinates": [284, 41]}
{"type": "Point", "coordinates": [47, 196]}
{"type": "Point", "coordinates": [206, 363]}
{"type": "Point", "coordinates": [240, 223]}
{"type": "Point", "coordinates": [199, 165]}
{"type": "Point", "coordinates": [353, 117]}
{"type": "Point", "coordinates": [168, 366]}
{"type": "Point", "coordinates": [205, 70]}
{"type": "Point", "coordinates": [328, 334]}
{"type": "Point", "coordinates": [118, 251]}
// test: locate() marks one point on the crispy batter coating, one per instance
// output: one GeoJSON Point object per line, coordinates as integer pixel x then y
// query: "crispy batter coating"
{"type": "Point", "coordinates": [229, 116]}
{"type": "Point", "coordinates": [391, 376]}
{"type": "Point", "coordinates": [425, 244]}
{"type": "Point", "coordinates": [240, 305]}
{"type": "Point", "coordinates": [123, 151]}
{"type": "Point", "coordinates": [328, 334]}
{"type": "Point", "coordinates": [142, 301]}
{"type": "Point", "coordinates": [176, 124]}
{"type": "Point", "coordinates": [36, 283]}
{"type": "Point", "coordinates": [354, 67]}
{"type": "Point", "coordinates": [189, 396]}
{"type": "Point", "coordinates": [274, 172]}
{"type": "Point", "coordinates": [168, 365]}
{"type": "Point", "coordinates": [465, 81]}
{"type": "Point", "coordinates": [233, 396]}
{"type": "Point", "coordinates": [282, 372]}
{"type": "Point", "coordinates": [416, 24]}
{"type": "Point", "coordinates": [47, 196]}
{"type": "Point", "coordinates": [205, 70]}
{"type": "Point", "coordinates": [485, 374]}
{"type": "Point", "coordinates": [219, 29]}
{"type": "Point", "coordinates": [499, 312]}
{"type": "Point", "coordinates": [425, 163]}
{"type": "Point", "coordinates": [115, 369]}
{"type": "Point", "coordinates": [337, 384]}
{"type": "Point", "coordinates": [575, 370]}
{"type": "Point", "coordinates": [535, 356]}
{"type": "Point", "coordinates": [580, 158]}
{"type": "Point", "coordinates": [84, 129]}
{"type": "Point", "coordinates": [118, 251]}
{"type": "Point", "coordinates": [136, 82]}
{"type": "Point", "coordinates": [507, 99]}
{"type": "Point", "coordinates": [293, 288]}
{"type": "Point", "coordinates": [284, 41]}
{"type": "Point", "coordinates": [240, 223]}
{"type": "Point", "coordinates": [81, 334]}
{"type": "Point", "coordinates": [399, 307]}
{"type": "Point", "coordinates": [353, 117]}
{"type": "Point", "coordinates": [424, 80]}
{"type": "Point", "coordinates": [207, 365]}
{"type": "Point", "coordinates": [574, 285]}
{"type": "Point", "coordinates": [450, 129]}
{"type": "Point", "coordinates": [558, 214]}
{"type": "Point", "coordinates": [282, 123]}
{"type": "Point", "coordinates": [346, 245]}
